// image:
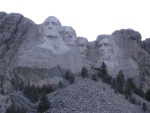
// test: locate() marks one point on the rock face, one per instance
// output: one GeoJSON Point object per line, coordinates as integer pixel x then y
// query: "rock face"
{"type": "Point", "coordinates": [44, 48]}
{"type": "Point", "coordinates": [146, 45]}
{"type": "Point", "coordinates": [41, 55]}
{"type": "Point", "coordinates": [39, 48]}
{"type": "Point", "coordinates": [13, 30]}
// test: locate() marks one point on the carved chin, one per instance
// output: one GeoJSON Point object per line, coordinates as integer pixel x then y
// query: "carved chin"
{"type": "Point", "coordinates": [105, 57]}
{"type": "Point", "coordinates": [84, 55]}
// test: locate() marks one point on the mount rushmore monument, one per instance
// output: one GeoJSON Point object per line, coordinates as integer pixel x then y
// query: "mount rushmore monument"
{"type": "Point", "coordinates": [34, 53]}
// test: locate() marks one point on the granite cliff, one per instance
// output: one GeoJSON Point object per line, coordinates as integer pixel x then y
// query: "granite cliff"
{"type": "Point", "coordinates": [41, 54]}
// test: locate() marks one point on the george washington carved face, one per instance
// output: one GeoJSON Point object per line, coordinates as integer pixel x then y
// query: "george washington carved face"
{"type": "Point", "coordinates": [51, 27]}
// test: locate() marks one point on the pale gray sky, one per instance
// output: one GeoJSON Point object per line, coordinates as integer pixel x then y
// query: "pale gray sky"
{"type": "Point", "coordinates": [88, 17]}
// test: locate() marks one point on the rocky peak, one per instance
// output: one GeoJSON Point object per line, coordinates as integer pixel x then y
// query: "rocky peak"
{"type": "Point", "coordinates": [135, 35]}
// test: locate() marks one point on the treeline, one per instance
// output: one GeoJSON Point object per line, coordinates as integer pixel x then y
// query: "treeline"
{"type": "Point", "coordinates": [32, 92]}
{"type": "Point", "coordinates": [119, 84]}
{"type": "Point", "coordinates": [1, 85]}
{"type": "Point", "coordinates": [14, 109]}
{"type": "Point", "coordinates": [122, 86]}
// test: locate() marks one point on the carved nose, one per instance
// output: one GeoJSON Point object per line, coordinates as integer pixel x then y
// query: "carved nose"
{"type": "Point", "coordinates": [50, 28]}
{"type": "Point", "coordinates": [85, 48]}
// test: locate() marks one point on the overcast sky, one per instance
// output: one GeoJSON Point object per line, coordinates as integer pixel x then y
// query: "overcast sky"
{"type": "Point", "coordinates": [88, 17]}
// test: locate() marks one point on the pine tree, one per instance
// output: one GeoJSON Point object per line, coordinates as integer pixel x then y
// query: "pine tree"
{"type": "Point", "coordinates": [147, 95]}
{"type": "Point", "coordinates": [44, 104]}
{"type": "Point", "coordinates": [128, 89]}
{"type": "Point", "coordinates": [144, 107]}
{"type": "Point", "coordinates": [60, 84]}
{"type": "Point", "coordinates": [84, 72]}
{"type": "Point", "coordinates": [120, 82]}
{"type": "Point", "coordinates": [1, 84]}
{"type": "Point", "coordinates": [94, 77]}
{"type": "Point", "coordinates": [104, 74]}
{"type": "Point", "coordinates": [11, 108]}
{"type": "Point", "coordinates": [67, 75]}
{"type": "Point", "coordinates": [1, 80]}
{"type": "Point", "coordinates": [104, 69]}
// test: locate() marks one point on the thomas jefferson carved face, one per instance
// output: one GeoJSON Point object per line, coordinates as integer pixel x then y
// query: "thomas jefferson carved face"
{"type": "Point", "coordinates": [69, 35]}
{"type": "Point", "coordinates": [105, 48]}
{"type": "Point", "coordinates": [82, 46]}
{"type": "Point", "coordinates": [51, 27]}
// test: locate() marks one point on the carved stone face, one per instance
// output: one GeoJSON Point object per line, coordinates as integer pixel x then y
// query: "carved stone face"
{"type": "Point", "coordinates": [69, 36]}
{"type": "Point", "coordinates": [82, 47]}
{"type": "Point", "coordinates": [51, 27]}
{"type": "Point", "coordinates": [105, 48]}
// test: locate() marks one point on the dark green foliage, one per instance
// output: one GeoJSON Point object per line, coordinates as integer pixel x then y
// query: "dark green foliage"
{"type": "Point", "coordinates": [114, 83]}
{"type": "Point", "coordinates": [1, 84]}
{"type": "Point", "coordinates": [60, 84]}
{"type": "Point", "coordinates": [140, 92]}
{"type": "Point", "coordinates": [69, 77]}
{"type": "Point", "coordinates": [84, 72]}
{"type": "Point", "coordinates": [139, 103]}
{"type": "Point", "coordinates": [44, 104]}
{"type": "Point", "coordinates": [130, 83]}
{"type": "Point", "coordinates": [94, 77]}
{"type": "Point", "coordinates": [17, 85]}
{"type": "Point", "coordinates": [14, 109]}
{"type": "Point", "coordinates": [2, 91]}
{"type": "Point", "coordinates": [133, 100]}
{"type": "Point", "coordinates": [128, 89]}
{"type": "Point", "coordinates": [1, 81]}
{"type": "Point", "coordinates": [147, 95]}
{"type": "Point", "coordinates": [33, 93]}
{"type": "Point", "coordinates": [144, 107]}
{"type": "Point", "coordinates": [120, 82]}
{"type": "Point", "coordinates": [103, 74]}
{"type": "Point", "coordinates": [121, 86]}
{"type": "Point", "coordinates": [104, 69]}
{"type": "Point", "coordinates": [130, 86]}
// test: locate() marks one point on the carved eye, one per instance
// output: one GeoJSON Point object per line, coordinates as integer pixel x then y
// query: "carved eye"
{"type": "Point", "coordinates": [46, 24]}
{"type": "Point", "coordinates": [72, 34]}
{"type": "Point", "coordinates": [53, 23]}
{"type": "Point", "coordinates": [100, 45]}
{"type": "Point", "coordinates": [105, 44]}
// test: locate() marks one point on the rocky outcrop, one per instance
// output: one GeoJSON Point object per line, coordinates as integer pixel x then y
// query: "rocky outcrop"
{"type": "Point", "coordinates": [129, 43]}
{"type": "Point", "coordinates": [41, 54]}
{"type": "Point", "coordinates": [13, 30]}
{"type": "Point", "coordinates": [5, 102]}
{"type": "Point", "coordinates": [146, 45]}
{"type": "Point", "coordinates": [30, 50]}
{"type": "Point", "coordinates": [135, 35]}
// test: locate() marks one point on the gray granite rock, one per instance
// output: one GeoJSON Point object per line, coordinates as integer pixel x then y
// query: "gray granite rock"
{"type": "Point", "coordinates": [42, 53]}
{"type": "Point", "coordinates": [145, 44]}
